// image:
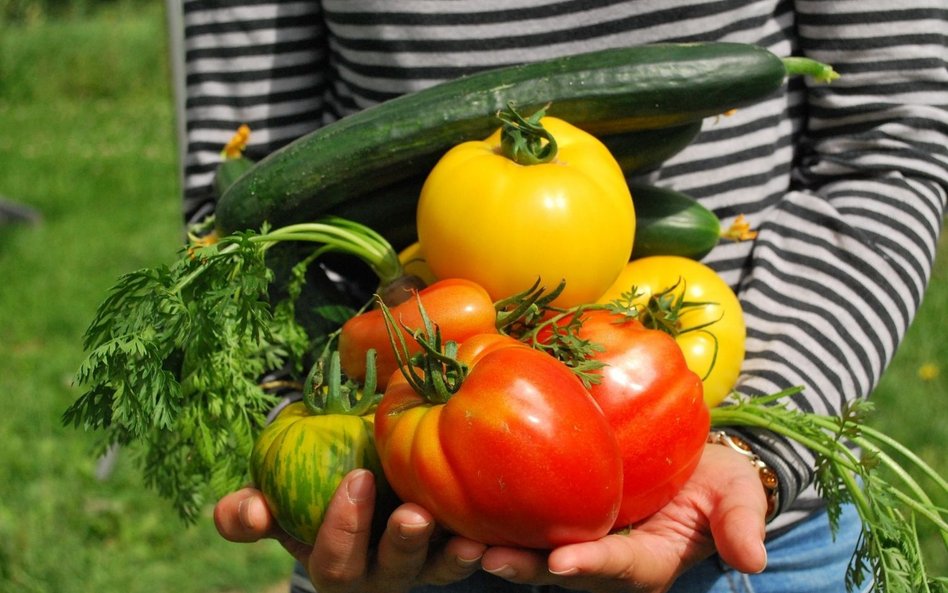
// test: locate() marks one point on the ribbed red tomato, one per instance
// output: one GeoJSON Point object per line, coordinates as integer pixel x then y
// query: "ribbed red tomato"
{"type": "Point", "coordinates": [654, 404]}
{"type": "Point", "coordinates": [519, 455]}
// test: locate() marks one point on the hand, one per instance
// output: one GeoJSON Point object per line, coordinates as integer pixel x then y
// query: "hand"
{"type": "Point", "coordinates": [341, 560]}
{"type": "Point", "coordinates": [721, 508]}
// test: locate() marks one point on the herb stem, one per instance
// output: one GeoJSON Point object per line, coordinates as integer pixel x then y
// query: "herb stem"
{"type": "Point", "coordinates": [908, 454]}
{"type": "Point", "coordinates": [922, 502]}
{"type": "Point", "coordinates": [863, 505]}
{"type": "Point", "coordinates": [733, 416]}
{"type": "Point", "coordinates": [345, 236]}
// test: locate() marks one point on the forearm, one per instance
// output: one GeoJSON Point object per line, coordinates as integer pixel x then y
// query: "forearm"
{"type": "Point", "coordinates": [841, 263]}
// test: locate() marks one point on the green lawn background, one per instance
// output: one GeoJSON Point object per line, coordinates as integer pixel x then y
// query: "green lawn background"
{"type": "Point", "coordinates": [87, 139]}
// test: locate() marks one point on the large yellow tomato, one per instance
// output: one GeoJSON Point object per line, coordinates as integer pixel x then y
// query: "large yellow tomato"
{"type": "Point", "coordinates": [712, 334]}
{"type": "Point", "coordinates": [505, 225]}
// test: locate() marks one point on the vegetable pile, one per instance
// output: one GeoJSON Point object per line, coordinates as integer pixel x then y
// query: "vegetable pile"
{"type": "Point", "coordinates": [539, 356]}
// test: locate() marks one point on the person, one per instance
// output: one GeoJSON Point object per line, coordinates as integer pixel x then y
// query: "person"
{"type": "Point", "coordinates": [845, 185]}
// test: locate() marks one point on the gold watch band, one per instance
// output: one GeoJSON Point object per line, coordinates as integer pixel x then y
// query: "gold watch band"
{"type": "Point", "coordinates": [768, 477]}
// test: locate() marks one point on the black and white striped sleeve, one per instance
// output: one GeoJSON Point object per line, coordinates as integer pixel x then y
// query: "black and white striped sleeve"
{"type": "Point", "coordinates": [842, 261]}
{"type": "Point", "coordinates": [261, 63]}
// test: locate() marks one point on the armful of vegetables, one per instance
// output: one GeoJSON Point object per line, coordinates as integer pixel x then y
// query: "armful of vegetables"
{"type": "Point", "coordinates": [176, 353]}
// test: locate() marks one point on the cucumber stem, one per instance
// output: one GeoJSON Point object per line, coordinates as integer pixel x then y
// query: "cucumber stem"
{"type": "Point", "coordinates": [818, 71]}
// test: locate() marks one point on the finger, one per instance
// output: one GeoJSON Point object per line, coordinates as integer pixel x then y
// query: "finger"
{"type": "Point", "coordinates": [638, 560]}
{"type": "Point", "coordinates": [340, 554]}
{"type": "Point", "coordinates": [738, 526]}
{"type": "Point", "coordinates": [403, 548]}
{"type": "Point", "coordinates": [243, 516]}
{"type": "Point", "coordinates": [517, 565]}
{"type": "Point", "coordinates": [457, 559]}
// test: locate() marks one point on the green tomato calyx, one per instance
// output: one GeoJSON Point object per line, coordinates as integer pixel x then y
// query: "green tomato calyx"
{"type": "Point", "coordinates": [435, 373]}
{"type": "Point", "coordinates": [327, 393]}
{"type": "Point", "coordinates": [524, 140]}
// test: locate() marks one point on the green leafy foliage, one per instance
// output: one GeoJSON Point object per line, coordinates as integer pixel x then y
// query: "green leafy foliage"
{"type": "Point", "coordinates": [856, 465]}
{"type": "Point", "coordinates": [175, 357]}
{"type": "Point", "coordinates": [177, 354]}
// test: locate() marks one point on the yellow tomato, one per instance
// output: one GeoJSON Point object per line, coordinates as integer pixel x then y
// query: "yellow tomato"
{"type": "Point", "coordinates": [504, 225]}
{"type": "Point", "coordinates": [714, 352]}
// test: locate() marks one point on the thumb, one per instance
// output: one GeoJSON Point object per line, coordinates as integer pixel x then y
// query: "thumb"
{"type": "Point", "coordinates": [242, 516]}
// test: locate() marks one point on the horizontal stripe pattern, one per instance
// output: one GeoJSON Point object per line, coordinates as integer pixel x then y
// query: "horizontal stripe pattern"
{"type": "Point", "coordinates": [846, 183]}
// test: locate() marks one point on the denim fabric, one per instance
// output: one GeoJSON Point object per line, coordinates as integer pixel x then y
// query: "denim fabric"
{"type": "Point", "coordinates": [805, 559]}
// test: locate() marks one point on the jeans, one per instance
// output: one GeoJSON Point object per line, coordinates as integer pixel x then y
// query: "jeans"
{"type": "Point", "coordinates": [805, 559]}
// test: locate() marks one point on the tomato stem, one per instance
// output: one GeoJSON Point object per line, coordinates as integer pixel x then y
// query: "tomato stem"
{"type": "Point", "coordinates": [327, 394]}
{"type": "Point", "coordinates": [441, 373]}
{"type": "Point", "coordinates": [524, 140]}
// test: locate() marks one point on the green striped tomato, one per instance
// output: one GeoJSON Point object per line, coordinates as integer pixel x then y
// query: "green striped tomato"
{"type": "Point", "coordinates": [300, 458]}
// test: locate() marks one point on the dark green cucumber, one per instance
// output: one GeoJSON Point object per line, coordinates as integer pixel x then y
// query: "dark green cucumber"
{"type": "Point", "coordinates": [642, 150]}
{"type": "Point", "coordinates": [604, 92]}
{"type": "Point", "coordinates": [228, 171]}
{"type": "Point", "coordinates": [669, 222]}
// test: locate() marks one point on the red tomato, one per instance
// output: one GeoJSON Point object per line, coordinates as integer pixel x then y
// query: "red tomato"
{"type": "Point", "coordinates": [520, 455]}
{"type": "Point", "coordinates": [461, 308]}
{"type": "Point", "coordinates": [654, 404]}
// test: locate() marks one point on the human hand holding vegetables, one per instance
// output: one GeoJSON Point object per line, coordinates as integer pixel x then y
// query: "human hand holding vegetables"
{"type": "Point", "coordinates": [341, 559]}
{"type": "Point", "coordinates": [720, 509]}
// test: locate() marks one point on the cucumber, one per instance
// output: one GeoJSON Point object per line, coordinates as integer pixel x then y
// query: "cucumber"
{"type": "Point", "coordinates": [642, 150]}
{"type": "Point", "coordinates": [604, 92]}
{"type": "Point", "coordinates": [669, 222]}
{"type": "Point", "coordinates": [228, 171]}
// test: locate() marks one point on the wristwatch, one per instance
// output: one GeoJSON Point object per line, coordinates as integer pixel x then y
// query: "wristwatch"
{"type": "Point", "coordinates": [768, 477]}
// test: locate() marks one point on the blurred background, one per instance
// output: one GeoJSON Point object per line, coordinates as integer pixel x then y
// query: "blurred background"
{"type": "Point", "coordinates": [89, 190]}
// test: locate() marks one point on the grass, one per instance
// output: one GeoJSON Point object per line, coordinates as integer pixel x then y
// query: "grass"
{"type": "Point", "coordinates": [88, 141]}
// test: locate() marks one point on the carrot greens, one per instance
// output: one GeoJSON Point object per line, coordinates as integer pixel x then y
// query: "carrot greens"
{"type": "Point", "coordinates": [176, 354]}
{"type": "Point", "coordinates": [859, 465]}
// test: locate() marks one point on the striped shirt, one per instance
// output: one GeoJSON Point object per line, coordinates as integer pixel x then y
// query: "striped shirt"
{"type": "Point", "coordinates": [845, 183]}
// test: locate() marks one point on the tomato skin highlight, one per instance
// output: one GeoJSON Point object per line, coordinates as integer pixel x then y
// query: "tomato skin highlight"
{"type": "Point", "coordinates": [520, 455]}
{"type": "Point", "coordinates": [485, 217]}
{"type": "Point", "coordinates": [655, 405]}
{"type": "Point", "coordinates": [459, 307]}
{"type": "Point", "coordinates": [715, 353]}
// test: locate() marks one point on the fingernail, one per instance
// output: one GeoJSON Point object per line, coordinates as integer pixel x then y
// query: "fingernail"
{"type": "Point", "coordinates": [359, 487]}
{"type": "Point", "coordinates": [412, 530]}
{"type": "Point", "coordinates": [564, 573]}
{"type": "Point", "coordinates": [504, 572]}
{"type": "Point", "coordinates": [763, 548]}
{"type": "Point", "coordinates": [243, 511]}
{"type": "Point", "coordinates": [468, 562]}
